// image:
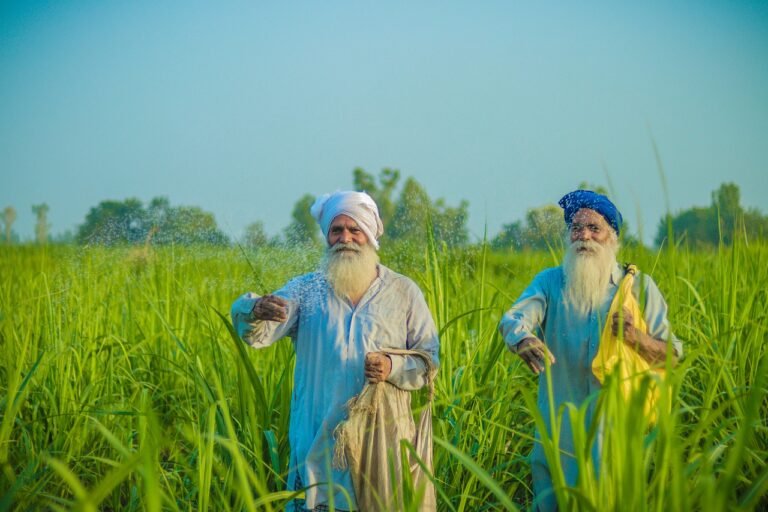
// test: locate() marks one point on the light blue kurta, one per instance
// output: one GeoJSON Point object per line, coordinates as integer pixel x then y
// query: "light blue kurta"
{"type": "Point", "coordinates": [573, 339]}
{"type": "Point", "coordinates": [331, 338]}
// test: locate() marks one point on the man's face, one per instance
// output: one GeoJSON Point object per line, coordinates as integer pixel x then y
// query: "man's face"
{"type": "Point", "coordinates": [345, 230]}
{"type": "Point", "coordinates": [588, 225]}
{"type": "Point", "coordinates": [589, 260]}
{"type": "Point", "coordinates": [350, 262]}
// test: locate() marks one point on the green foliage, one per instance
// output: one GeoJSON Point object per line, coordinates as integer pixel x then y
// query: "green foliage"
{"type": "Point", "coordinates": [450, 223]}
{"type": "Point", "coordinates": [411, 213]}
{"type": "Point", "coordinates": [382, 192]}
{"type": "Point", "coordinates": [255, 235]}
{"type": "Point", "coordinates": [303, 227]}
{"type": "Point", "coordinates": [414, 211]}
{"type": "Point", "coordinates": [121, 388]}
{"type": "Point", "coordinates": [721, 221]}
{"type": "Point", "coordinates": [188, 225]}
{"type": "Point", "coordinates": [510, 236]}
{"type": "Point", "coordinates": [406, 219]}
{"type": "Point", "coordinates": [543, 228]}
{"type": "Point", "coordinates": [128, 222]}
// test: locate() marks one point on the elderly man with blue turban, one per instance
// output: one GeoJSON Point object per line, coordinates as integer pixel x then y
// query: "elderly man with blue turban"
{"type": "Point", "coordinates": [341, 319]}
{"type": "Point", "coordinates": [560, 317]}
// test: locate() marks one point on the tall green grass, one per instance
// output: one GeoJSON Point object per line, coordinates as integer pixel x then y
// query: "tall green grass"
{"type": "Point", "coordinates": [121, 387]}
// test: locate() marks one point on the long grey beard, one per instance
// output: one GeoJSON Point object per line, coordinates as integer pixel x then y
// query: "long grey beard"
{"type": "Point", "coordinates": [587, 273]}
{"type": "Point", "coordinates": [350, 272]}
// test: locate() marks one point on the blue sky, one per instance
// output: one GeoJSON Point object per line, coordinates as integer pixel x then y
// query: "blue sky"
{"type": "Point", "coordinates": [242, 107]}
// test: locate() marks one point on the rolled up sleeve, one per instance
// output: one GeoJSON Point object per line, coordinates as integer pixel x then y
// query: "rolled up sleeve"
{"type": "Point", "coordinates": [656, 315]}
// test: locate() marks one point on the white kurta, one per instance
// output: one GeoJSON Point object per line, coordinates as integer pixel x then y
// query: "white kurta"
{"type": "Point", "coordinates": [331, 338]}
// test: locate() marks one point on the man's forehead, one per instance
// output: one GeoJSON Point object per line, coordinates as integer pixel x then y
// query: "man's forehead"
{"type": "Point", "coordinates": [344, 220]}
{"type": "Point", "coordinates": [588, 216]}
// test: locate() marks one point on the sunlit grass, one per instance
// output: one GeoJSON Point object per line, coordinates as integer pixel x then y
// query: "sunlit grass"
{"type": "Point", "coordinates": [122, 388]}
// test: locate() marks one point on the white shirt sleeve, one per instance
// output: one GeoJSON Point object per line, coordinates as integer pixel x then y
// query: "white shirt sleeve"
{"type": "Point", "coordinates": [410, 372]}
{"type": "Point", "coordinates": [524, 318]}
{"type": "Point", "coordinates": [655, 311]}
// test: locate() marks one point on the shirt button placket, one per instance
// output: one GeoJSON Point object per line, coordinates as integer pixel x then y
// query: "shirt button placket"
{"type": "Point", "coordinates": [351, 335]}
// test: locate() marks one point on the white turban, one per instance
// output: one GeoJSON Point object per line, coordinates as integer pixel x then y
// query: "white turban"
{"type": "Point", "coordinates": [357, 205]}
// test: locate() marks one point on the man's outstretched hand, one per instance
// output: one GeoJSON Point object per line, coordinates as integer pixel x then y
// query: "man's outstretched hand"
{"type": "Point", "coordinates": [534, 352]}
{"type": "Point", "coordinates": [271, 307]}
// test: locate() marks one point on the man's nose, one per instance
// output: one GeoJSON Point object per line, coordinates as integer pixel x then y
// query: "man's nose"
{"type": "Point", "coordinates": [345, 237]}
{"type": "Point", "coordinates": [582, 234]}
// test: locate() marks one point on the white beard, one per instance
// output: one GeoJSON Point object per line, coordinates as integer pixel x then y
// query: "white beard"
{"type": "Point", "coordinates": [587, 273]}
{"type": "Point", "coordinates": [350, 268]}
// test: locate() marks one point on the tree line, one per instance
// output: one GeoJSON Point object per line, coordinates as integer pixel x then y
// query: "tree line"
{"type": "Point", "coordinates": [408, 214]}
{"type": "Point", "coordinates": [723, 220]}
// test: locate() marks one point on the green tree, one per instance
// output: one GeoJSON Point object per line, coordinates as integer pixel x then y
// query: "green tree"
{"type": "Point", "coordinates": [510, 236]}
{"type": "Point", "coordinates": [755, 224]}
{"type": "Point", "coordinates": [545, 226]}
{"type": "Point", "coordinates": [9, 216]}
{"type": "Point", "coordinates": [381, 192]}
{"type": "Point", "coordinates": [726, 205]}
{"type": "Point", "coordinates": [121, 222]}
{"type": "Point", "coordinates": [411, 213]}
{"type": "Point", "coordinates": [720, 221]}
{"type": "Point", "coordinates": [189, 225]}
{"type": "Point", "coordinates": [450, 223]}
{"type": "Point", "coordinates": [158, 211]}
{"type": "Point", "coordinates": [697, 225]}
{"type": "Point", "coordinates": [303, 227]}
{"type": "Point", "coordinates": [414, 209]}
{"type": "Point", "coordinates": [114, 222]}
{"type": "Point", "coordinates": [41, 225]}
{"type": "Point", "coordinates": [255, 235]}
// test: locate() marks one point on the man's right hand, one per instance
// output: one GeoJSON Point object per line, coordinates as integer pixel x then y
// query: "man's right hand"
{"type": "Point", "coordinates": [270, 307]}
{"type": "Point", "coordinates": [534, 352]}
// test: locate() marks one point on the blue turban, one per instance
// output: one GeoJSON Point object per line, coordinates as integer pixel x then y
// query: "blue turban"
{"type": "Point", "coordinates": [574, 201]}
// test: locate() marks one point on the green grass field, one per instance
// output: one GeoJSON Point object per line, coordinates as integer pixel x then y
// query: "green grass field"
{"type": "Point", "coordinates": [121, 388]}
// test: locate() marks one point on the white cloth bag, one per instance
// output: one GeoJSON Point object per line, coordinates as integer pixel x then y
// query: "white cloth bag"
{"type": "Point", "coordinates": [368, 443]}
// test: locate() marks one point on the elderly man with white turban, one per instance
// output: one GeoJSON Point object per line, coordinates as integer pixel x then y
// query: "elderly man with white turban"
{"type": "Point", "coordinates": [561, 316]}
{"type": "Point", "coordinates": [340, 318]}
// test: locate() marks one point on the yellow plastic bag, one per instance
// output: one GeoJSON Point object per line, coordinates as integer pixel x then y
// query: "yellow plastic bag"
{"type": "Point", "coordinates": [614, 355]}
